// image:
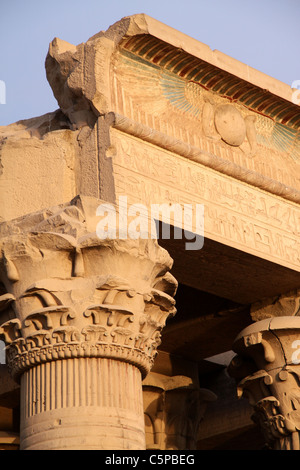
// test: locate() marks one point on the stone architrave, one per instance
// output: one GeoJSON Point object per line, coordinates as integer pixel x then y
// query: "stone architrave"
{"type": "Point", "coordinates": [287, 304]}
{"type": "Point", "coordinates": [197, 127]}
{"type": "Point", "coordinates": [81, 318]}
{"type": "Point", "coordinates": [267, 368]}
{"type": "Point", "coordinates": [174, 408]}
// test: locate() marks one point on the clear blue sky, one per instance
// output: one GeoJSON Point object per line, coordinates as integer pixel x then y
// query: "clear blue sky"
{"type": "Point", "coordinates": [264, 34]}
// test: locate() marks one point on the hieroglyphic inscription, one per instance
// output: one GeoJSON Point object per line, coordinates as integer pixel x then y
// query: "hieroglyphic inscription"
{"type": "Point", "coordinates": [236, 214]}
{"type": "Point", "coordinates": [177, 107]}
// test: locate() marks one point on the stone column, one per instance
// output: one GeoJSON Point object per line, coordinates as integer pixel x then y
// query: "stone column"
{"type": "Point", "coordinates": [174, 408]}
{"type": "Point", "coordinates": [267, 369]}
{"type": "Point", "coordinates": [81, 318]}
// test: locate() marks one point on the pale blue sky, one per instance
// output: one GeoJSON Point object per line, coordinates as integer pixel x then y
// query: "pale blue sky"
{"type": "Point", "coordinates": [264, 34]}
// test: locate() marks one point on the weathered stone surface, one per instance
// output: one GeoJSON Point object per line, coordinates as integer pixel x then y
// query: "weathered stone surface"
{"type": "Point", "coordinates": [267, 370]}
{"type": "Point", "coordinates": [81, 310]}
{"type": "Point", "coordinates": [38, 165]}
{"type": "Point", "coordinates": [230, 125]}
{"type": "Point", "coordinates": [174, 408]}
{"type": "Point", "coordinates": [151, 114]}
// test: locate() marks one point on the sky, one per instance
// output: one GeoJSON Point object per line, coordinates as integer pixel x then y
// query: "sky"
{"type": "Point", "coordinates": [264, 34]}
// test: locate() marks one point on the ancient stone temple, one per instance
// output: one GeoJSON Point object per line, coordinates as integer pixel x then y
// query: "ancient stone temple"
{"type": "Point", "coordinates": [121, 337]}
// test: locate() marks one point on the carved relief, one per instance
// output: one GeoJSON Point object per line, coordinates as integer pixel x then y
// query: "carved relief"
{"type": "Point", "coordinates": [93, 302]}
{"type": "Point", "coordinates": [237, 140]}
{"type": "Point", "coordinates": [172, 98]}
{"type": "Point", "coordinates": [268, 374]}
{"type": "Point", "coordinates": [226, 122]}
{"type": "Point", "coordinates": [235, 213]}
{"type": "Point", "coordinates": [224, 116]}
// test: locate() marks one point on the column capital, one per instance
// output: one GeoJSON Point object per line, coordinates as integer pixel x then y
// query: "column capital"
{"type": "Point", "coordinates": [68, 294]}
{"type": "Point", "coordinates": [174, 407]}
{"type": "Point", "coordinates": [267, 369]}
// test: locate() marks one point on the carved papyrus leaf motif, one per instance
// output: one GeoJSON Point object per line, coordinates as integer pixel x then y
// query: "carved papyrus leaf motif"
{"type": "Point", "coordinates": [111, 286]}
{"type": "Point", "coordinates": [94, 333]}
{"type": "Point", "coordinates": [66, 334]}
{"type": "Point", "coordinates": [48, 317]}
{"type": "Point", "coordinates": [47, 298]}
{"type": "Point", "coordinates": [257, 338]}
{"type": "Point", "coordinates": [273, 423]}
{"type": "Point", "coordinates": [11, 270]}
{"type": "Point", "coordinates": [164, 301]}
{"type": "Point", "coordinates": [121, 336]}
{"type": "Point", "coordinates": [254, 386]}
{"type": "Point", "coordinates": [78, 266]}
{"type": "Point", "coordinates": [166, 284]}
{"type": "Point", "coordinates": [37, 339]}
{"type": "Point", "coordinates": [109, 315]}
{"type": "Point", "coordinates": [10, 331]}
{"type": "Point", "coordinates": [61, 241]}
{"type": "Point", "coordinates": [5, 301]}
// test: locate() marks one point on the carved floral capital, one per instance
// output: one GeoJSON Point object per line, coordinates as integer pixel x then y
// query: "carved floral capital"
{"type": "Point", "coordinates": [66, 293]}
{"type": "Point", "coordinates": [267, 369]}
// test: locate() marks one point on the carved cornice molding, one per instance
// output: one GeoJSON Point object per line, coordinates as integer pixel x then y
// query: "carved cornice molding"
{"type": "Point", "coordinates": [174, 408]}
{"type": "Point", "coordinates": [100, 69]}
{"type": "Point", "coordinates": [267, 369]}
{"type": "Point", "coordinates": [70, 294]}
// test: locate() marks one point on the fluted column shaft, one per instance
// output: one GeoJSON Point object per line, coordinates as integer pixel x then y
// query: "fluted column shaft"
{"type": "Point", "coordinates": [83, 403]}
